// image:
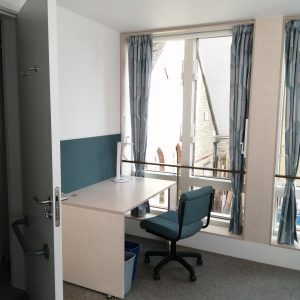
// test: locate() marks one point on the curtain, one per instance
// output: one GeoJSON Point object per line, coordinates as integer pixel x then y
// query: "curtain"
{"type": "Point", "coordinates": [287, 227]}
{"type": "Point", "coordinates": [140, 68]}
{"type": "Point", "coordinates": [240, 70]}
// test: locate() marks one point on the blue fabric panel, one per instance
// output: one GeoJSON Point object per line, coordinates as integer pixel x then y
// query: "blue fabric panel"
{"type": "Point", "coordinates": [87, 161]}
{"type": "Point", "coordinates": [196, 205]}
{"type": "Point", "coordinates": [166, 225]}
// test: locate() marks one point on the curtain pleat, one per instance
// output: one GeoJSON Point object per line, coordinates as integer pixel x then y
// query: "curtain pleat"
{"type": "Point", "coordinates": [287, 228]}
{"type": "Point", "coordinates": [140, 68]}
{"type": "Point", "coordinates": [241, 60]}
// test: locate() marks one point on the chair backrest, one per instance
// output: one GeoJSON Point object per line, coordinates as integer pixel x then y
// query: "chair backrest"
{"type": "Point", "coordinates": [194, 206]}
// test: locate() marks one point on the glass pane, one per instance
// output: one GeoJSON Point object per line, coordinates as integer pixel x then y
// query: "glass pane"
{"type": "Point", "coordinates": [222, 203]}
{"type": "Point", "coordinates": [160, 200]}
{"type": "Point", "coordinates": [211, 113]}
{"type": "Point", "coordinates": [165, 105]}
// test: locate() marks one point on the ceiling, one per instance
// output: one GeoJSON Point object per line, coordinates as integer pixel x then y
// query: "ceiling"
{"type": "Point", "coordinates": [12, 5]}
{"type": "Point", "coordinates": [137, 15]}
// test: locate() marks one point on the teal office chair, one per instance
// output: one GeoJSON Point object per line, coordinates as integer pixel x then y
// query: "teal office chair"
{"type": "Point", "coordinates": [176, 225]}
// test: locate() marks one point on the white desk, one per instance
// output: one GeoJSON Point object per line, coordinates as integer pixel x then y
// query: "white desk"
{"type": "Point", "coordinates": [93, 231]}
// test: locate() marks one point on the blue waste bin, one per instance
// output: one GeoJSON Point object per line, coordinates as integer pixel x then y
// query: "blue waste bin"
{"type": "Point", "coordinates": [135, 248]}
{"type": "Point", "coordinates": [128, 269]}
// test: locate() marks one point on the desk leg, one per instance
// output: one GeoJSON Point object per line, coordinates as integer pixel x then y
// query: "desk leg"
{"type": "Point", "coordinates": [93, 249]}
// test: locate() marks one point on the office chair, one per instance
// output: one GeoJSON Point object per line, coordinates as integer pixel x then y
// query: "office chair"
{"type": "Point", "coordinates": [176, 225]}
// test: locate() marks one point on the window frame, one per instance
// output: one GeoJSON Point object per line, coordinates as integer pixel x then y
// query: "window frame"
{"type": "Point", "coordinates": [187, 180]}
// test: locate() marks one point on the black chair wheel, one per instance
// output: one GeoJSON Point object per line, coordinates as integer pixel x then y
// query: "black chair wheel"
{"type": "Point", "coordinates": [156, 276]}
{"type": "Point", "coordinates": [199, 261]}
{"type": "Point", "coordinates": [147, 260]}
{"type": "Point", "coordinates": [193, 277]}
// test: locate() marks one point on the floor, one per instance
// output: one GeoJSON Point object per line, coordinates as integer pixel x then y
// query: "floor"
{"type": "Point", "coordinates": [220, 277]}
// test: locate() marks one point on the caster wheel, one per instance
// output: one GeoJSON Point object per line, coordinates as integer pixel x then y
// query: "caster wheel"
{"type": "Point", "coordinates": [193, 277]}
{"type": "Point", "coordinates": [156, 277]}
{"type": "Point", "coordinates": [199, 261]}
{"type": "Point", "coordinates": [147, 260]}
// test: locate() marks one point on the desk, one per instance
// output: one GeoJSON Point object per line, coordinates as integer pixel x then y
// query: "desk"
{"type": "Point", "coordinates": [93, 231]}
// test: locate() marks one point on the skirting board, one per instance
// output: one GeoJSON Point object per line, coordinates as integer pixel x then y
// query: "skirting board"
{"type": "Point", "coordinates": [267, 254]}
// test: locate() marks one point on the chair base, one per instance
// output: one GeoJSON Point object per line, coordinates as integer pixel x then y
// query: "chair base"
{"type": "Point", "coordinates": [173, 255]}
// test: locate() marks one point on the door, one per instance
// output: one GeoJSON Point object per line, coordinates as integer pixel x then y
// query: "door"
{"type": "Point", "coordinates": [39, 121]}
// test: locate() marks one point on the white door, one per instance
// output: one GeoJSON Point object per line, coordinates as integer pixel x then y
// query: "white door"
{"type": "Point", "coordinates": [37, 63]}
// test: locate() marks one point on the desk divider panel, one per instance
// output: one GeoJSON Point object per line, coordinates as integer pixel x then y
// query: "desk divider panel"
{"type": "Point", "coordinates": [87, 161]}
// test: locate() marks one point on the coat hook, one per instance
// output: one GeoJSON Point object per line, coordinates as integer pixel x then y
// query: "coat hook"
{"type": "Point", "coordinates": [25, 73]}
{"type": "Point", "coordinates": [35, 68]}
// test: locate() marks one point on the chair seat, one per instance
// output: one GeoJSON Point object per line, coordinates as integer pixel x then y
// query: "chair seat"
{"type": "Point", "coordinates": [166, 226]}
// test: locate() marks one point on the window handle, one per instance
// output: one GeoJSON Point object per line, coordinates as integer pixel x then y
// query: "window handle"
{"type": "Point", "coordinates": [242, 148]}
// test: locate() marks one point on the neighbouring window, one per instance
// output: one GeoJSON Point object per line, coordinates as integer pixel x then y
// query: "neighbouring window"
{"type": "Point", "coordinates": [280, 182]}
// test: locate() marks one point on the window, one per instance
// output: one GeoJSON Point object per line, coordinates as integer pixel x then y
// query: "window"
{"type": "Point", "coordinates": [188, 114]}
{"type": "Point", "coordinates": [165, 105]}
{"type": "Point", "coordinates": [211, 134]}
{"type": "Point", "coordinates": [212, 91]}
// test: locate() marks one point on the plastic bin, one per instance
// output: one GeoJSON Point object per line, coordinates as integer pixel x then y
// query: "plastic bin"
{"type": "Point", "coordinates": [128, 269]}
{"type": "Point", "coordinates": [135, 248]}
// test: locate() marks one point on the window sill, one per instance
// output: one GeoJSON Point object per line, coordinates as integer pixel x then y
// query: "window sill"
{"type": "Point", "coordinates": [221, 231]}
{"type": "Point", "coordinates": [274, 243]}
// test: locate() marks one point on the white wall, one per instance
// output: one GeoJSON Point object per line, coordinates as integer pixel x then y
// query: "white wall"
{"type": "Point", "coordinates": [89, 77]}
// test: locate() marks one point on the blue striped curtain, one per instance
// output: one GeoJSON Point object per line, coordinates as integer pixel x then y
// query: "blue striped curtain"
{"type": "Point", "coordinates": [287, 228]}
{"type": "Point", "coordinates": [140, 68]}
{"type": "Point", "coordinates": [240, 70]}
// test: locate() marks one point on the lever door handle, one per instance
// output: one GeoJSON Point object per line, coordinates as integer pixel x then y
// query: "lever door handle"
{"type": "Point", "coordinates": [40, 252]}
{"type": "Point", "coordinates": [38, 201]}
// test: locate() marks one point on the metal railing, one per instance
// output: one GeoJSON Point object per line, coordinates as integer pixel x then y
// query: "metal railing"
{"type": "Point", "coordinates": [179, 167]}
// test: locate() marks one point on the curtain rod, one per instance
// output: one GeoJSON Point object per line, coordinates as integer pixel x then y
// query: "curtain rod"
{"type": "Point", "coordinates": [199, 168]}
{"type": "Point", "coordinates": [190, 28]}
{"type": "Point", "coordinates": [290, 18]}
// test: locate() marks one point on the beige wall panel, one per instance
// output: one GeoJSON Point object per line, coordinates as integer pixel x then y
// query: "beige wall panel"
{"type": "Point", "coordinates": [264, 103]}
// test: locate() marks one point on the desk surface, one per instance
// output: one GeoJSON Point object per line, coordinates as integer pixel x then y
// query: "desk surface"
{"type": "Point", "coordinates": [118, 197]}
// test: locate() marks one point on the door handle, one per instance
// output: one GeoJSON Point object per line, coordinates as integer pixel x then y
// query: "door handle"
{"type": "Point", "coordinates": [45, 202]}
{"type": "Point", "coordinates": [47, 210]}
{"type": "Point", "coordinates": [40, 252]}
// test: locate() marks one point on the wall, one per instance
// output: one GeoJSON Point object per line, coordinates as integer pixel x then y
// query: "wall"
{"type": "Point", "coordinates": [89, 63]}
{"type": "Point", "coordinates": [88, 60]}
{"type": "Point", "coordinates": [255, 243]}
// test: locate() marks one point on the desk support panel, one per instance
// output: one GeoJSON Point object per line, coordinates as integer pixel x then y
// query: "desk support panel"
{"type": "Point", "coordinates": [93, 249]}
